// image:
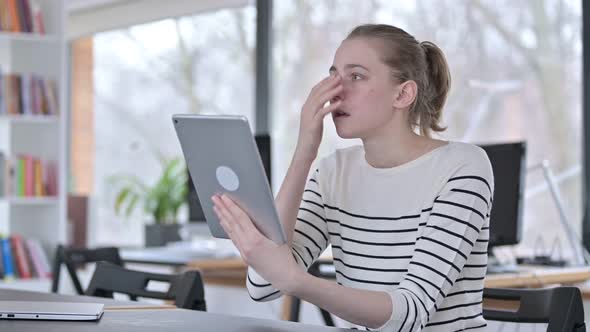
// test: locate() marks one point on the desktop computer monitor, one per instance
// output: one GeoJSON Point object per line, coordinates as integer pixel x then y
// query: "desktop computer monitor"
{"type": "Point", "coordinates": [509, 166]}
{"type": "Point", "coordinates": [194, 206]}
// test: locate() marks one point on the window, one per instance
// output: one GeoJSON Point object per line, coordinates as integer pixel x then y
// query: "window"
{"type": "Point", "coordinates": [516, 71]}
{"type": "Point", "coordinates": [144, 74]}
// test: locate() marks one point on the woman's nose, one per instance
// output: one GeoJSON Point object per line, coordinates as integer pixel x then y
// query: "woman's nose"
{"type": "Point", "coordinates": [340, 95]}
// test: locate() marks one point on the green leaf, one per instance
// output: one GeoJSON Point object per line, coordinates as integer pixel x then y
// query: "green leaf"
{"type": "Point", "coordinates": [162, 200]}
{"type": "Point", "coordinates": [131, 205]}
{"type": "Point", "coordinates": [121, 199]}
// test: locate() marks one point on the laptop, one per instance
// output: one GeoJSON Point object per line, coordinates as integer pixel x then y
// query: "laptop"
{"type": "Point", "coordinates": [222, 158]}
{"type": "Point", "coordinates": [50, 310]}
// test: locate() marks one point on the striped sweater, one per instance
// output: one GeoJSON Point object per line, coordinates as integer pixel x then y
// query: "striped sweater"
{"type": "Point", "coordinates": [418, 231]}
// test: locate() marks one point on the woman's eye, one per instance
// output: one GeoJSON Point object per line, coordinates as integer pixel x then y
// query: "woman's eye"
{"type": "Point", "coordinates": [355, 77]}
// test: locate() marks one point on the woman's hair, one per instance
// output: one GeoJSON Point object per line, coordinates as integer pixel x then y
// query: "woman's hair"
{"type": "Point", "coordinates": [422, 62]}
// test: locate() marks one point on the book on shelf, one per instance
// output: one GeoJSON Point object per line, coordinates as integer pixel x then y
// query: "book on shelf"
{"type": "Point", "coordinates": [27, 176]}
{"type": "Point", "coordinates": [27, 94]}
{"type": "Point", "coordinates": [22, 258]}
{"type": "Point", "coordinates": [7, 259]}
{"type": "Point", "coordinates": [38, 259]}
{"type": "Point", "coordinates": [21, 16]}
{"type": "Point", "coordinates": [1, 262]}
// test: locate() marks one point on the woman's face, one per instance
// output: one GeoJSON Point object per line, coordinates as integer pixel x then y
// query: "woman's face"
{"type": "Point", "coordinates": [368, 90]}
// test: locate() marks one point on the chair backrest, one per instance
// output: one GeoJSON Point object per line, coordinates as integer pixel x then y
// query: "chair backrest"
{"type": "Point", "coordinates": [74, 258]}
{"type": "Point", "coordinates": [185, 289]}
{"type": "Point", "coordinates": [560, 307]}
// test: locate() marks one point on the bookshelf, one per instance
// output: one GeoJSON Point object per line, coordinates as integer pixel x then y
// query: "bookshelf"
{"type": "Point", "coordinates": [41, 136]}
{"type": "Point", "coordinates": [46, 119]}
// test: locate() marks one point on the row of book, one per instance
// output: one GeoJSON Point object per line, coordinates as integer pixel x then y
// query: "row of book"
{"type": "Point", "coordinates": [22, 258]}
{"type": "Point", "coordinates": [27, 176]}
{"type": "Point", "coordinates": [28, 94]}
{"type": "Point", "coordinates": [21, 16]}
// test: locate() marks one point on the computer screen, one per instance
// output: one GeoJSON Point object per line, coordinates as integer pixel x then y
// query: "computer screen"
{"type": "Point", "coordinates": [509, 165]}
{"type": "Point", "coordinates": [194, 206]}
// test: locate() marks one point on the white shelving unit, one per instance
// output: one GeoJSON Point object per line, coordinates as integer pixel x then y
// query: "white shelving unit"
{"type": "Point", "coordinates": [43, 218]}
{"type": "Point", "coordinates": [44, 119]}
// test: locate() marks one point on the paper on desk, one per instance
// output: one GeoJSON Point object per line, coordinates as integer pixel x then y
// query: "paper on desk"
{"type": "Point", "coordinates": [205, 247]}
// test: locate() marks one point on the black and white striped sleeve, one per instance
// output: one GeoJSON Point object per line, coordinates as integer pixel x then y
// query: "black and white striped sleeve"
{"type": "Point", "coordinates": [457, 217]}
{"type": "Point", "coordinates": [310, 239]}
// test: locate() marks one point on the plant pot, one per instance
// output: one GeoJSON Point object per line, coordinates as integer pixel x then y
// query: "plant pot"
{"type": "Point", "coordinates": [157, 235]}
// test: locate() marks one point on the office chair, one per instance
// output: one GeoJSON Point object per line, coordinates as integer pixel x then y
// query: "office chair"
{"type": "Point", "coordinates": [560, 307]}
{"type": "Point", "coordinates": [75, 258]}
{"type": "Point", "coordinates": [185, 289]}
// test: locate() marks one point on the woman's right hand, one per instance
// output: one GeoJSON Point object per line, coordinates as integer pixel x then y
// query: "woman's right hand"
{"type": "Point", "coordinates": [311, 125]}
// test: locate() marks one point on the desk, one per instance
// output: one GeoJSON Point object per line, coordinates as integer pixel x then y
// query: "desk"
{"type": "Point", "coordinates": [215, 271]}
{"type": "Point", "coordinates": [146, 319]}
{"type": "Point", "coordinates": [232, 272]}
{"type": "Point", "coordinates": [539, 277]}
{"type": "Point", "coordinates": [169, 256]}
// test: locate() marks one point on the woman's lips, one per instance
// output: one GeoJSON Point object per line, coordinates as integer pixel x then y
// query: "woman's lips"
{"type": "Point", "coordinates": [339, 114]}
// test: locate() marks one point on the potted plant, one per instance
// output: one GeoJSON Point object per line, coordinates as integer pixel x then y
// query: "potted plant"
{"type": "Point", "coordinates": [161, 201]}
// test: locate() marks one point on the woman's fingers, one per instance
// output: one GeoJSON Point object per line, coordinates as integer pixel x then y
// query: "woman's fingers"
{"type": "Point", "coordinates": [238, 225]}
{"type": "Point", "coordinates": [328, 96]}
{"type": "Point", "coordinates": [224, 222]}
{"type": "Point", "coordinates": [325, 86]}
{"type": "Point", "coordinates": [231, 226]}
{"type": "Point", "coordinates": [319, 85]}
{"type": "Point", "coordinates": [242, 219]}
{"type": "Point", "coordinates": [235, 210]}
{"type": "Point", "coordinates": [236, 214]}
{"type": "Point", "coordinates": [225, 216]}
{"type": "Point", "coordinates": [328, 109]}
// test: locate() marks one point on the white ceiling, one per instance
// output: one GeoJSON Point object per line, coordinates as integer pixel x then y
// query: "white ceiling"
{"type": "Point", "coordinates": [73, 6]}
{"type": "Point", "coordinates": [86, 17]}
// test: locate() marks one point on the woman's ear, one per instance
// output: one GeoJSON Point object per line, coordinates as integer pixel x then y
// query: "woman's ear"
{"type": "Point", "coordinates": [405, 94]}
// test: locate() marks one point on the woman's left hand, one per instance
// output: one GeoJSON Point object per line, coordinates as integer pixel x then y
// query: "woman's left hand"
{"type": "Point", "coordinates": [273, 262]}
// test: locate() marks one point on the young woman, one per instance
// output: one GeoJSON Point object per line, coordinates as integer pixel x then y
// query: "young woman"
{"type": "Point", "coordinates": [407, 215]}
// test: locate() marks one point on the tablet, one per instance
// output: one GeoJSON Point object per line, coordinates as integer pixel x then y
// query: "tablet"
{"type": "Point", "coordinates": [222, 158]}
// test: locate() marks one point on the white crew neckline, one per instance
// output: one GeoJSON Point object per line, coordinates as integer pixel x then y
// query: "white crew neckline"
{"type": "Point", "coordinates": [410, 164]}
